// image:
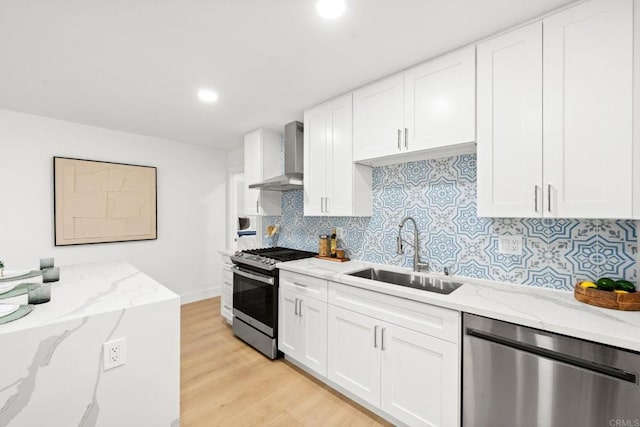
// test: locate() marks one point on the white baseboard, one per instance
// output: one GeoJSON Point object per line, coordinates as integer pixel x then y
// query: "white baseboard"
{"type": "Point", "coordinates": [200, 295]}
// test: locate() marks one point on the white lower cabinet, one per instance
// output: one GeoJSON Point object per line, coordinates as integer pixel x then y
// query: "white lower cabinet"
{"type": "Point", "coordinates": [226, 300]}
{"type": "Point", "coordinates": [419, 377]}
{"type": "Point", "coordinates": [354, 356]}
{"type": "Point", "coordinates": [303, 330]}
{"type": "Point", "coordinates": [410, 375]}
{"type": "Point", "coordinates": [302, 320]}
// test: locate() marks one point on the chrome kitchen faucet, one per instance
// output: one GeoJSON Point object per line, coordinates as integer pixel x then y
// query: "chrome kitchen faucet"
{"type": "Point", "coordinates": [417, 265]}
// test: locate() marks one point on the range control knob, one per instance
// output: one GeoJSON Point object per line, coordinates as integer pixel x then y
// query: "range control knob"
{"type": "Point", "coordinates": [238, 253]}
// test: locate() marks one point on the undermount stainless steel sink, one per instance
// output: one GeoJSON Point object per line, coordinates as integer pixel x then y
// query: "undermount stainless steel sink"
{"type": "Point", "coordinates": [409, 280]}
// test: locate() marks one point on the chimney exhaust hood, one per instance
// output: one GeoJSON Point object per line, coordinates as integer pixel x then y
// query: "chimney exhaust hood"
{"type": "Point", "coordinates": [293, 162]}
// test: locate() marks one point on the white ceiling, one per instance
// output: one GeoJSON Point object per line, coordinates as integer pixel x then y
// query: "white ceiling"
{"type": "Point", "coordinates": [135, 65]}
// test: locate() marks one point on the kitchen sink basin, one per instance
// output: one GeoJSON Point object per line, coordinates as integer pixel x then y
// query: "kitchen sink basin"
{"type": "Point", "coordinates": [409, 280]}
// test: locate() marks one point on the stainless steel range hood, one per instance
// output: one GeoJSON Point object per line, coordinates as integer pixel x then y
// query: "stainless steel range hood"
{"type": "Point", "coordinates": [293, 162]}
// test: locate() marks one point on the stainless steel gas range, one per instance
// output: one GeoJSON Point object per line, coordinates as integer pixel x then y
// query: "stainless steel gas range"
{"type": "Point", "coordinates": [255, 295]}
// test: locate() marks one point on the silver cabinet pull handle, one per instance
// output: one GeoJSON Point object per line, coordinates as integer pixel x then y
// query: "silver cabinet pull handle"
{"type": "Point", "coordinates": [549, 197]}
{"type": "Point", "coordinates": [406, 138]}
{"type": "Point", "coordinates": [295, 310]}
{"type": "Point", "coordinates": [375, 336]}
{"type": "Point", "coordinates": [382, 339]}
{"type": "Point", "coordinates": [399, 139]}
{"type": "Point", "coordinates": [257, 206]}
{"type": "Point", "coordinates": [535, 196]}
{"type": "Point", "coordinates": [302, 285]}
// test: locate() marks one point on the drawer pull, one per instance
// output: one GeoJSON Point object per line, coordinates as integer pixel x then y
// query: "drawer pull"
{"type": "Point", "coordinates": [302, 285]}
{"type": "Point", "coordinates": [375, 336]}
{"type": "Point", "coordinates": [382, 339]}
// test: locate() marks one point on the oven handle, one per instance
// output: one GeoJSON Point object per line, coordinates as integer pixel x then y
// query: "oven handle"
{"type": "Point", "coordinates": [253, 276]}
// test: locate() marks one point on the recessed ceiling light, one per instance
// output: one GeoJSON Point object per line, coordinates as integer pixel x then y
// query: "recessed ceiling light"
{"type": "Point", "coordinates": [330, 9]}
{"type": "Point", "coordinates": [207, 95]}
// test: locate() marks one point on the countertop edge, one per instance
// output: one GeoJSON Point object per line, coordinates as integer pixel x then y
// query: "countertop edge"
{"type": "Point", "coordinates": [541, 308]}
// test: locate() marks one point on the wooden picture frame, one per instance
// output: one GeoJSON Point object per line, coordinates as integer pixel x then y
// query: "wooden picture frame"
{"type": "Point", "coordinates": [103, 202]}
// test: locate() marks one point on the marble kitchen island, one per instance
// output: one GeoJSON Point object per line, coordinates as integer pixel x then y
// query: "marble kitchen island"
{"type": "Point", "coordinates": [52, 367]}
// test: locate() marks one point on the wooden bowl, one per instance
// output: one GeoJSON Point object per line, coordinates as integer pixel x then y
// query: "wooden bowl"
{"type": "Point", "coordinates": [607, 299]}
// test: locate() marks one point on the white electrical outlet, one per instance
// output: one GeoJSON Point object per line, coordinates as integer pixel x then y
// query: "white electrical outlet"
{"type": "Point", "coordinates": [115, 353]}
{"type": "Point", "coordinates": [510, 245]}
{"type": "Point", "coordinates": [340, 232]}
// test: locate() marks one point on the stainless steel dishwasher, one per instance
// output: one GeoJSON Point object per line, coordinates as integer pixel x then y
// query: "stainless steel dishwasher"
{"type": "Point", "coordinates": [518, 376]}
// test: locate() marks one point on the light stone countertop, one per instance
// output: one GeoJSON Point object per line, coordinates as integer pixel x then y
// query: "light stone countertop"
{"type": "Point", "coordinates": [546, 309]}
{"type": "Point", "coordinates": [226, 252]}
{"type": "Point", "coordinates": [90, 289]}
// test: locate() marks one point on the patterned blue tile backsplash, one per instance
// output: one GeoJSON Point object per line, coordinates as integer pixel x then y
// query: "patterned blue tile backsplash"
{"type": "Point", "coordinates": [441, 195]}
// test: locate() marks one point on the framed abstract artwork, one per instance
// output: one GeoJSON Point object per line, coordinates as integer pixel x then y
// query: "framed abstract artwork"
{"type": "Point", "coordinates": [101, 202]}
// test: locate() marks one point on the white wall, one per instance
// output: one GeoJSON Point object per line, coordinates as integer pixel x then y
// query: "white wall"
{"type": "Point", "coordinates": [191, 201]}
{"type": "Point", "coordinates": [235, 158]}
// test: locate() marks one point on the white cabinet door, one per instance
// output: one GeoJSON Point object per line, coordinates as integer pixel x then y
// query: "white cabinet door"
{"type": "Point", "coordinates": [587, 110]}
{"type": "Point", "coordinates": [510, 124]}
{"type": "Point", "coordinates": [261, 161]}
{"type": "Point", "coordinates": [252, 171]}
{"type": "Point", "coordinates": [333, 185]}
{"type": "Point", "coordinates": [288, 323]}
{"type": "Point", "coordinates": [315, 160]}
{"type": "Point", "coordinates": [313, 334]}
{"type": "Point", "coordinates": [340, 197]}
{"type": "Point", "coordinates": [439, 101]}
{"type": "Point", "coordinates": [302, 321]}
{"type": "Point", "coordinates": [420, 378]}
{"type": "Point", "coordinates": [378, 118]}
{"type": "Point", "coordinates": [354, 357]}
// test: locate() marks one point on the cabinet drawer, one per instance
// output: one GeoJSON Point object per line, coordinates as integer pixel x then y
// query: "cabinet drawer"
{"type": "Point", "coordinates": [304, 285]}
{"type": "Point", "coordinates": [424, 318]}
{"type": "Point", "coordinates": [227, 313]}
{"type": "Point", "coordinates": [226, 261]}
{"type": "Point", "coordinates": [226, 301]}
{"type": "Point", "coordinates": [227, 293]}
{"type": "Point", "coordinates": [227, 276]}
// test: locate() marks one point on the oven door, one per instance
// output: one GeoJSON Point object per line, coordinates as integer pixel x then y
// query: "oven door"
{"type": "Point", "coordinates": [255, 296]}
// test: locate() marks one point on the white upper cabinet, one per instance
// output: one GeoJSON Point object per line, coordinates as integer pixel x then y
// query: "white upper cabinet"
{"type": "Point", "coordinates": [588, 86]}
{"type": "Point", "coordinates": [378, 118]}
{"type": "Point", "coordinates": [555, 116]}
{"type": "Point", "coordinates": [333, 185]}
{"type": "Point", "coordinates": [439, 101]}
{"type": "Point", "coordinates": [262, 161]}
{"type": "Point", "coordinates": [429, 108]}
{"type": "Point", "coordinates": [315, 147]}
{"type": "Point", "coordinates": [510, 124]}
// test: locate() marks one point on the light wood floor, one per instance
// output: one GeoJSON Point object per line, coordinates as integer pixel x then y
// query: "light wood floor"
{"type": "Point", "coordinates": [224, 382]}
